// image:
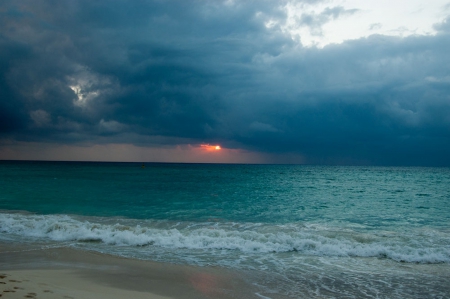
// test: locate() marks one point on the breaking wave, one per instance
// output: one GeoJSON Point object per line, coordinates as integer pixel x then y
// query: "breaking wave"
{"type": "Point", "coordinates": [429, 247]}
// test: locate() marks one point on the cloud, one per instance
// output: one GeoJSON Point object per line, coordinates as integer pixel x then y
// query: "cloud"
{"type": "Point", "coordinates": [154, 74]}
{"type": "Point", "coordinates": [40, 117]}
{"type": "Point", "coordinates": [315, 21]}
{"type": "Point", "coordinates": [443, 26]}
{"type": "Point", "coordinates": [262, 127]}
{"type": "Point", "coordinates": [375, 26]}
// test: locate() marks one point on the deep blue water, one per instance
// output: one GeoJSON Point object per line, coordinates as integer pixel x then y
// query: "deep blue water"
{"type": "Point", "coordinates": [303, 229]}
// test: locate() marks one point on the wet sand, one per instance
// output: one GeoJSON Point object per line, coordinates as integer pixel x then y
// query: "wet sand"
{"type": "Point", "coordinates": [69, 273]}
{"type": "Point", "coordinates": [54, 284]}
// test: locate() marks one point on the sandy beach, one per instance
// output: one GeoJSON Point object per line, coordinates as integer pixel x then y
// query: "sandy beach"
{"type": "Point", "coordinates": [54, 284]}
{"type": "Point", "coordinates": [67, 273]}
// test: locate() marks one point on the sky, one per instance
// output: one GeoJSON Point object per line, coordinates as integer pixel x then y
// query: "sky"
{"type": "Point", "coordinates": [335, 82]}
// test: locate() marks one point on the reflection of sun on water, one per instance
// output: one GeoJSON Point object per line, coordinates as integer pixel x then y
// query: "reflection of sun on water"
{"type": "Point", "coordinates": [207, 284]}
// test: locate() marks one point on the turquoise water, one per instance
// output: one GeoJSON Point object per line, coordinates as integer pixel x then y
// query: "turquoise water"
{"type": "Point", "coordinates": [297, 231]}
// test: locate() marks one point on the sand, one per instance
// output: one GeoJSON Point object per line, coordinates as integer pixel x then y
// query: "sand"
{"type": "Point", "coordinates": [54, 284]}
{"type": "Point", "coordinates": [69, 273]}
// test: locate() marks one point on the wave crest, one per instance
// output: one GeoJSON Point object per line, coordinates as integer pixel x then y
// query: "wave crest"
{"type": "Point", "coordinates": [257, 238]}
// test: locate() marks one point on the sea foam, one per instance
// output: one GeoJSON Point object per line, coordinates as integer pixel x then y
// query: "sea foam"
{"type": "Point", "coordinates": [432, 247]}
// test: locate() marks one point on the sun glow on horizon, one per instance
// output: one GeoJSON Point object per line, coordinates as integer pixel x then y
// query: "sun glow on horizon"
{"type": "Point", "coordinates": [209, 147]}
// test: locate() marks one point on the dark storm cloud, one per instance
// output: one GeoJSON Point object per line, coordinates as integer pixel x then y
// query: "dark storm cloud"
{"type": "Point", "coordinates": [10, 117]}
{"type": "Point", "coordinates": [211, 71]}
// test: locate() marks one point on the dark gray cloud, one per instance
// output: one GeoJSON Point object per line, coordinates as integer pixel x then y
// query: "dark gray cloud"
{"type": "Point", "coordinates": [211, 71]}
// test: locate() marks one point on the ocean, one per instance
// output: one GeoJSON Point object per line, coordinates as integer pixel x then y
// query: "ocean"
{"type": "Point", "coordinates": [293, 231]}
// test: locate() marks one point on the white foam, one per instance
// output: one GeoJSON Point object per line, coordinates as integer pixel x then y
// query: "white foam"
{"type": "Point", "coordinates": [245, 238]}
{"type": "Point", "coordinates": [262, 296]}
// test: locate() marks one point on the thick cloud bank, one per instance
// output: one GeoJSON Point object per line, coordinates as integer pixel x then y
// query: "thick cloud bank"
{"type": "Point", "coordinates": [163, 73]}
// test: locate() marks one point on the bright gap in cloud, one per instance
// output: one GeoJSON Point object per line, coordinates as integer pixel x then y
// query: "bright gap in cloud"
{"type": "Point", "coordinates": [334, 21]}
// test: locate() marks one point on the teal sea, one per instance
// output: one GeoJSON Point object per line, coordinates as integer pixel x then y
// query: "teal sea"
{"type": "Point", "coordinates": [295, 231]}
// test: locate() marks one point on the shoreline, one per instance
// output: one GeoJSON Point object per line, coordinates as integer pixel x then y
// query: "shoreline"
{"type": "Point", "coordinates": [69, 273]}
